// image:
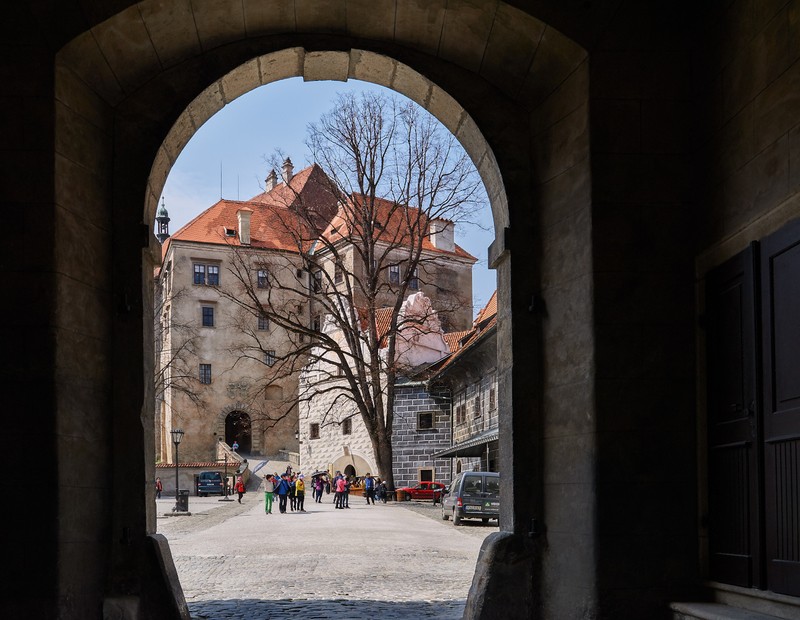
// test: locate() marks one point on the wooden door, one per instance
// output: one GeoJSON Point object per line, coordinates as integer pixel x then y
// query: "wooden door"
{"type": "Point", "coordinates": [780, 303]}
{"type": "Point", "coordinates": [733, 429]}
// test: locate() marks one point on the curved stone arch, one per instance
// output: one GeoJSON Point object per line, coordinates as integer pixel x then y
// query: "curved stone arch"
{"type": "Point", "coordinates": [121, 86]}
{"type": "Point", "coordinates": [331, 65]}
{"type": "Point", "coordinates": [361, 464]}
{"type": "Point", "coordinates": [255, 438]}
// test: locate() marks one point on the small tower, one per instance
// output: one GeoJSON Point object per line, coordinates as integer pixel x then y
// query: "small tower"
{"type": "Point", "coordinates": [162, 217]}
{"type": "Point", "coordinates": [288, 170]}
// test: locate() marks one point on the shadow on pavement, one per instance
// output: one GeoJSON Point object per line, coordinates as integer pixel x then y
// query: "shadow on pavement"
{"type": "Point", "coordinates": [341, 609]}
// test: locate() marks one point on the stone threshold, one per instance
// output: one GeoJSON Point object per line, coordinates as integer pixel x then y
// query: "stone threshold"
{"type": "Point", "coordinates": [714, 611]}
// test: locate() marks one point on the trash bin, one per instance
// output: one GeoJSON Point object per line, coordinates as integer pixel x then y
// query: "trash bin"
{"type": "Point", "coordinates": [401, 495]}
{"type": "Point", "coordinates": [182, 502]}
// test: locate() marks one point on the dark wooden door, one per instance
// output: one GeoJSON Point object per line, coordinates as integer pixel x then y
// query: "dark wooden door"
{"type": "Point", "coordinates": [733, 427]}
{"type": "Point", "coordinates": [780, 303]}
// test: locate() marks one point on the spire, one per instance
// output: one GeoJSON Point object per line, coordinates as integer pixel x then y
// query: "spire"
{"type": "Point", "coordinates": [162, 217]}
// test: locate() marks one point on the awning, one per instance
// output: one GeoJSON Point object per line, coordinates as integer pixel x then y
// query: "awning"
{"type": "Point", "coordinates": [471, 447]}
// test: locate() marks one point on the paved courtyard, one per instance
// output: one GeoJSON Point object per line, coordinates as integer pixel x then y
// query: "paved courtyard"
{"type": "Point", "coordinates": [389, 561]}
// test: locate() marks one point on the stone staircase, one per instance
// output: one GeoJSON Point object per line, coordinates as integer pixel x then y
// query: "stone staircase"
{"type": "Point", "coordinates": [735, 603]}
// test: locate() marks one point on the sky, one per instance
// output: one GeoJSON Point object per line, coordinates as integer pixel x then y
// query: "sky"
{"type": "Point", "coordinates": [227, 158]}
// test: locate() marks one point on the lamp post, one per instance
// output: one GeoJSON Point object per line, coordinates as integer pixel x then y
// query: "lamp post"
{"type": "Point", "coordinates": [225, 497]}
{"type": "Point", "coordinates": [177, 436]}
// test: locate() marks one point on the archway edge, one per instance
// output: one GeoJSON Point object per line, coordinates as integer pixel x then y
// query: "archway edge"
{"type": "Point", "coordinates": [330, 65]}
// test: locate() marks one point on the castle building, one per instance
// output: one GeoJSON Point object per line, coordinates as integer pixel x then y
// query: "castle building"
{"type": "Point", "coordinates": [225, 371]}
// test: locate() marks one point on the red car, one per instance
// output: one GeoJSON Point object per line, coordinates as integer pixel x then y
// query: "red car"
{"type": "Point", "coordinates": [424, 490]}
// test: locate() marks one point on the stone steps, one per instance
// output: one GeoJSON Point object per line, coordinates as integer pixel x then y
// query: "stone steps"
{"type": "Point", "coordinates": [736, 603]}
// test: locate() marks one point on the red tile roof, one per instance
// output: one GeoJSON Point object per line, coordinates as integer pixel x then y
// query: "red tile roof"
{"type": "Point", "coordinates": [483, 325]}
{"type": "Point", "coordinates": [395, 222]}
{"type": "Point", "coordinates": [275, 222]}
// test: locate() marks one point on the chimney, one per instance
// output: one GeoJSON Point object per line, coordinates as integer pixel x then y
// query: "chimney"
{"type": "Point", "coordinates": [288, 170]}
{"type": "Point", "coordinates": [441, 233]}
{"type": "Point", "coordinates": [271, 181]}
{"type": "Point", "coordinates": [244, 225]}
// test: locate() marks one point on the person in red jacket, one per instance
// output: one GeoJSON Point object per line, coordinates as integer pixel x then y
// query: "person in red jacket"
{"type": "Point", "coordinates": [240, 488]}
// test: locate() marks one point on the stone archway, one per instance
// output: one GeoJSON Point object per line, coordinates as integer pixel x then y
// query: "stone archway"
{"type": "Point", "coordinates": [131, 92]}
{"type": "Point", "coordinates": [238, 429]}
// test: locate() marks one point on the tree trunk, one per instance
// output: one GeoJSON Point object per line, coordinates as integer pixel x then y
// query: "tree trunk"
{"type": "Point", "coordinates": [383, 455]}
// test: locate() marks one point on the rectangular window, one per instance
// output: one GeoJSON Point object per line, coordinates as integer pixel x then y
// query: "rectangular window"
{"type": "Point", "coordinates": [270, 358]}
{"type": "Point", "coordinates": [477, 406]}
{"type": "Point", "coordinates": [316, 323]}
{"type": "Point", "coordinates": [338, 276]}
{"type": "Point", "coordinates": [413, 280]}
{"type": "Point", "coordinates": [394, 274]}
{"type": "Point", "coordinates": [205, 373]}
{"type": "Point", "coordinates": [263, 323]}
{"type": "Point", "coordinates": [199, 274]}
{"type": "Point", "coordinates": [263, 278]}
{"type": "Point", "coordinates": [313, 431]}
{"type": "Point", "coordinates": [460, 411]}
{"type": "Point", "coordinates": [213, 275]}
{"type": "Point", "coordinates": [347, 426]}
{"type": "Point", "coordinates": [425, 421]}
{"type": "Point", "coordinates": [492, 400]}
{"type": "Point", "coordinates": [425, 474]}
{"type": "Point", "coordinates": [208, 316]}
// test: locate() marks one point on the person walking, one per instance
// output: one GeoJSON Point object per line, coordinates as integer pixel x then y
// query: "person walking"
{"type": "Point", "coordinates": [319, 487]}
{"type": "Point", "coordinates": [338, 494]}
{"type": "Point", "coordinates": [300, 493]}
{"type": "Point", "coordinates": [235, 445]}
{"type": "Point", "coordinates": [283, 491]}
{"type": "Point", "coordinates": [382, 490]}
{"type": "Point", "coordinates": [240, 488]}
{"type": "Point", "coordinates": [159, 488]}
{"type": "Point", "coordinates": [269, 490]}
{"type": "Point", "coordinates": [369, 488]}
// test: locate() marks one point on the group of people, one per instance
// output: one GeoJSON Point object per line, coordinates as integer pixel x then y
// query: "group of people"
{"type": "Point", "coordinates": [291, 490]}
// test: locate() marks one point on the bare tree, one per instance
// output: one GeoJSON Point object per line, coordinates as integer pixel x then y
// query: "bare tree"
{"type": "Point", "coordinates": [387, 179]}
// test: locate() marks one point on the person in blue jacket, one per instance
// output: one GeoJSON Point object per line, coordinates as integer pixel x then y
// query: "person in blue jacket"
{"type": "Point", "coordinates": [283, 492]}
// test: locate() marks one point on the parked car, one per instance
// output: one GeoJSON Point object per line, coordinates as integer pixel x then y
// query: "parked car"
{"type": "Point", "coordinates": [472, 495]}
{"type": "Point", "coordinates": [210, 483]}
{"type": "Point", "coordinates": [424, 490]}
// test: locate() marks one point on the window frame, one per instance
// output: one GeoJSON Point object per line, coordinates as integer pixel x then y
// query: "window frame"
{"type": "Point", "coordinates": [269, 357]}
{"type": "Point", "coordinates": [313, 430]}
{"type": "Point", "coordinates": [206, 312]}
{"type": "Point", "coordinates": [394, 274]}
{"type": "Point", "coordinates": [413, 279]}
{"type": "Point", "coordinates": [347, 426]}
{"type": "Point", "coordinates": [199, 268]}
{"type": "Point", "coordinates": [212, 273]}
{"type": "Point", "coordinates": [204, 374]}
{"type": "Point", "coordinates": [432, 426]}
{"type": "Point", "coordinates": [263, 324]}
{"type": "Point", "coordinates": [262, 278]}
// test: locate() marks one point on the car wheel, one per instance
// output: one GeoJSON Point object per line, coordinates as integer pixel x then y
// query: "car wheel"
{"type": "Point", "coordinates": [445, 516]}
{"type": "Point", "coordinates": [456, 518]}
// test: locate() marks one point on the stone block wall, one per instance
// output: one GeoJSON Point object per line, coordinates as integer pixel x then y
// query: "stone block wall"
{"type": "Point", "coordinates": [413, 447]}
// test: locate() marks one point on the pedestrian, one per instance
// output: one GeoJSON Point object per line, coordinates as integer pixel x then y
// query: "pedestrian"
{"type": "Point", "coordinates": [300, 493]}
{"type": "Point", "coordinates": [240, 488]}
{"type": "Point", "coordinates": [369, 488]}
{"type": "Point", "coordinates": [269, 490]}
{"type": "Point", "coordinates": [338, 499]}
{"type": "Point", "coordinates": [283, 491]}
{"type": "Point", "coordinates": [292, 493]}
{"type": "Point", "coordinates": [346, 492]}
{"type": "Point", "coordinates": [159, 488]}
{"type": "Point", "coordinates": [235, 445]}
{"type": "Point", "coordinates": [319, 487]}
{"type": "Point", "coordinates": [382, 490]}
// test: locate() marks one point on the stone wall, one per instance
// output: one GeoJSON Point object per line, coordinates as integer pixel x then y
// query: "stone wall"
{"type": "Point", "coordinates": [413, 447]}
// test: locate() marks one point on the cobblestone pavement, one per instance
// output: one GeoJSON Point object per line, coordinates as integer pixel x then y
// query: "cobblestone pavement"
{"type": "Point", "coordinates": [390, 561]}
